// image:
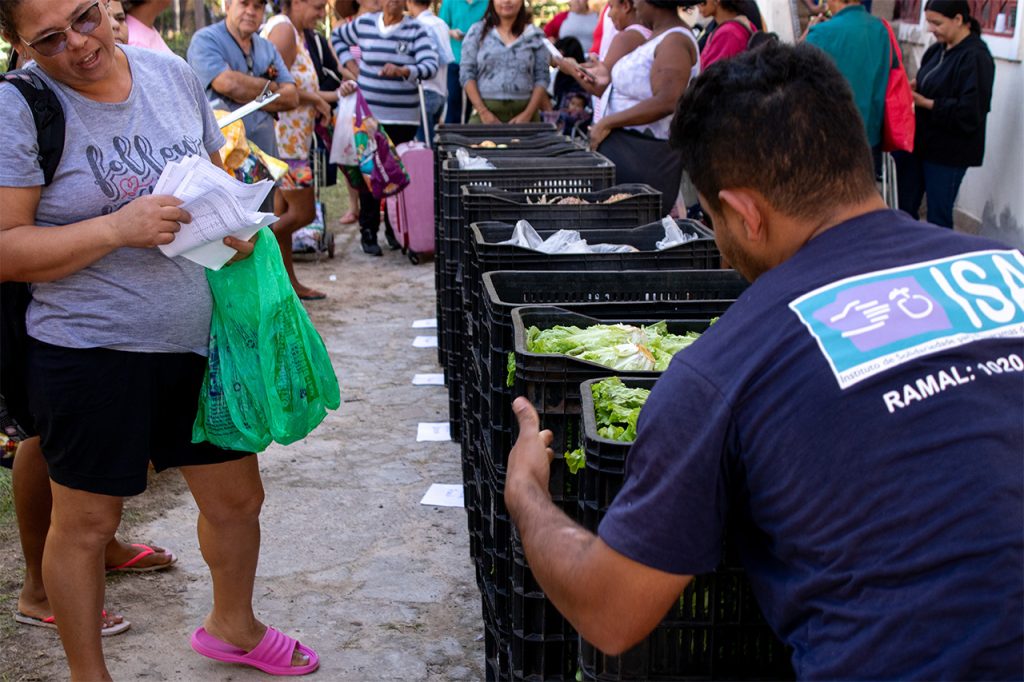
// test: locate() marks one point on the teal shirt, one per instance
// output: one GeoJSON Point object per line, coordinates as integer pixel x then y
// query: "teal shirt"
{"type": "Point", "coordinates": [859, 45]}
{"type": "Point", "coordinates": [461, 14]}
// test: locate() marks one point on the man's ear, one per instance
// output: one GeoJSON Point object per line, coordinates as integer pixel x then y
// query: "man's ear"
{"type": "Point", "coordinates": [744, 203]}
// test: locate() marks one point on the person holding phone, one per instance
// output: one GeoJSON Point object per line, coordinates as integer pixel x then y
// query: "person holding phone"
{"type": "Point", "coordinates": [952, 98]}
{"type": "Point", "coordinates": [645, 86]}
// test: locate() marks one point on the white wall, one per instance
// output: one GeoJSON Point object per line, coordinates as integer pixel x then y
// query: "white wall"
{"type": "Point", "coordinates": [991, 199]}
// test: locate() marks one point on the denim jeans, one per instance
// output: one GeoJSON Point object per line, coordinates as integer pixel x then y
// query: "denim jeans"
{"type": "Point", "coordinates": [454, 114]}
{"type": "Point", "coordinates": [940, 183]}
{"type": "Point", "coordinates": [435, 103]}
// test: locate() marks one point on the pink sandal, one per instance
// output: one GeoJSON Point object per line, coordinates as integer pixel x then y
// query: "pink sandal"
{"type": "Point", "coordinates": [273, 655]}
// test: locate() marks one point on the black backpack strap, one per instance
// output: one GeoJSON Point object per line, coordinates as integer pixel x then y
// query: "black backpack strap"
{"type": "Point", "coordinates": [47, 114]}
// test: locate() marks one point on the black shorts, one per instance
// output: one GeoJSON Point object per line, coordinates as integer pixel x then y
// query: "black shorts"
{"type": "Point", "coordinates": [103, 415]}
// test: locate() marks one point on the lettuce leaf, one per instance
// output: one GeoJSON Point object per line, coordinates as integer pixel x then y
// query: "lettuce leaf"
{"type": "Point", "coordinates": [621, 347]}
{"type": "Point", "coordinates": [616, 410]}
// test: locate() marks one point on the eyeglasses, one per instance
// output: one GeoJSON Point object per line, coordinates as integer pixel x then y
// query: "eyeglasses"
{"type": "Point", "coordinates": [54, 43]}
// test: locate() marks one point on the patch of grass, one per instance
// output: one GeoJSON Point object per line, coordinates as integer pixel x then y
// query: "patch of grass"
{"type": "Point", "coordinates": [6, 497]}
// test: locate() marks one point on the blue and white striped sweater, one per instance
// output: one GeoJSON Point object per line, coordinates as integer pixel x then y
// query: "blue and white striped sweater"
{"type": "Point", "coordinates": [393, 100]}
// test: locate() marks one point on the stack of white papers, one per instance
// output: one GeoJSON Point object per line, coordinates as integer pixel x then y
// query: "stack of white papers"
{"type": "Point", "coordinates": [220, 206]}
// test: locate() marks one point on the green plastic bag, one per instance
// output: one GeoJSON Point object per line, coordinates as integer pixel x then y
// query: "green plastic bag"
{"type": "Point", "coordinates": [269, 377]}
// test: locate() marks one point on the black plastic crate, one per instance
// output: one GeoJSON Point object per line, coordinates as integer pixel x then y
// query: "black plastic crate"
{"type": "Point", "coordinates": [500, 136]}
{"type": "Point", "coordinates": [543, 138]}
{"type": "Point", "coordinates": [537, 146]}
{"type": "Point", "coordinates": [580, 171]}
{"type": "Point", "coordinates": [544, 645]}
{"type": "Point", "coordinates": [715, 630]}
{"type": "Point", "coordinates": [471, 496]}
{"type": "Point", "coordinates": [501, 205]}
{"type": "Point", "coordinates": [482, 130]}
{"type": "Point", "coordinates": [488, 254]}
{"type": "Point", "coordinates": [496, 644]}
{"type": "Point", "coordinates": [552, 381]}
{"type": "Point", "coordinates": [632, 294]}
{"type": "Point", "coordinates": [568, 172]}
{"type": "Point", "coordinates": [494, 562]}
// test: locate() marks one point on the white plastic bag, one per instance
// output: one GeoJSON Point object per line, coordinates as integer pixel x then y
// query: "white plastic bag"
{"type": "Point", "coordinates": [673, 235]}
{"type": "Point", "coordinates": [468, 162]}
{"type": "Point", "coordinates": [562, 241]}
{"type": "Point", "coordinates": [343, 148]}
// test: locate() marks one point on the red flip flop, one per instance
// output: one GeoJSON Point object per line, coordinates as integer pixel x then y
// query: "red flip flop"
{"type": "Point", "coordinates": [144, 551]}
{"type": "Point", "coordinates": [273, 655]}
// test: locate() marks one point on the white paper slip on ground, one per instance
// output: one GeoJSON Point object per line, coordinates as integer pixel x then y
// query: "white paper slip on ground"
{"type": "Point", "coordinates": [433, 431]}
{"type": "Point", "coordinates": [444, 495]}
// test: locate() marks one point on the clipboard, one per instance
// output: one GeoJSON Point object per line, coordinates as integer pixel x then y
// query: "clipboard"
{"type": "Point", "coordinates": [247, 109]}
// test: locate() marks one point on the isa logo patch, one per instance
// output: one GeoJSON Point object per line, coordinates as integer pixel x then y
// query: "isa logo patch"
{"type": "Point", "coordinates": [868, 324]}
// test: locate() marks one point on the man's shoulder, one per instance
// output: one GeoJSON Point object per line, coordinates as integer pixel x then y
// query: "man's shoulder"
{"type": "Point", "coordinates": [214, 32]}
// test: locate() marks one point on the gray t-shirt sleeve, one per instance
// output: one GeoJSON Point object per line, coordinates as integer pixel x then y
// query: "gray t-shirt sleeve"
{"type": "Point", "coordinates": [206, 57]}
{"type": "Point", "coordinates": [19, 165]}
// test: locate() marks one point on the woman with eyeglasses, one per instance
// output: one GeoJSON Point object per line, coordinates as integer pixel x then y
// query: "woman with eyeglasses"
{"type": "Point", "coordinates": [117, 331]}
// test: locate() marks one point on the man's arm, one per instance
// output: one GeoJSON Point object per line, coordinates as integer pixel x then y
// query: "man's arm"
{"type": "Point", "coordinates": [242, 88]}
{"type": "Point", "coordinates": [611, 600]}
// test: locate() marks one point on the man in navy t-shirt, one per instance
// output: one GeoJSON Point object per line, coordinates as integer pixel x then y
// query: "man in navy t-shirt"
{"type": "Point", "coordinates": [859, 410]}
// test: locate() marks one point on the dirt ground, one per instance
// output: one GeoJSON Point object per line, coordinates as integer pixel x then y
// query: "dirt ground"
{"type": "Point", "coordinates": [351, 563]}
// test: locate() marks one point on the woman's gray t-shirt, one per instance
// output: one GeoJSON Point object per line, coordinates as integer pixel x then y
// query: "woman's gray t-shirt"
{"type": "Point", "coordinates": [131, 299]}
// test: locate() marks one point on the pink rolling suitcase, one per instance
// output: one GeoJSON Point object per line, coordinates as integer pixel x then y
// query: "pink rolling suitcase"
{"type": "Point", "coordinates": [411, 211]}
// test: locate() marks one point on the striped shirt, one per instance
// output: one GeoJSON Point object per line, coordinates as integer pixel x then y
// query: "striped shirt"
{"type": "Point", "coordinates": [407, 43]}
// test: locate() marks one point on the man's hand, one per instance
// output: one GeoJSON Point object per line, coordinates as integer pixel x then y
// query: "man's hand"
{"type": "Point", "coordinates": [393, 71]}
{"type": "Point", "coordinates": [529, 463]}
{"type": "Point", "coordinates": [149, 221]}
{"type": "Point", "coordinates": [347, 88]}
{"type": "Point", "coordinates": [242, 246]}
{"type": "Point", "coordinates": [456, 34]}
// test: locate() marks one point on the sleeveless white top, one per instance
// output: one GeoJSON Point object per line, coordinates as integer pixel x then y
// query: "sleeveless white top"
{"type": "Point", "coordinates": [631, 81]}
{"type": "Point", "coordinates": [600, 104]}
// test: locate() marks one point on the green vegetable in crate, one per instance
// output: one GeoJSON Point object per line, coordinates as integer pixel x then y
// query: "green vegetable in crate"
{"type": "Point", "coordinates": [616, 411]}
{"type": "Point", "coordinates": [622, 347]}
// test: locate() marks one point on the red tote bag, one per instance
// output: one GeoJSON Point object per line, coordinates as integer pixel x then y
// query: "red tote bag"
{"type": "Point", "coordinates": [898, 122]}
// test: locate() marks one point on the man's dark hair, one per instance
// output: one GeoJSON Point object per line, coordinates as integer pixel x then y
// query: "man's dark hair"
{"type": "Point", "coordinates": [780, 120]}
{"type": "Point", "coordinates": [423, 3]}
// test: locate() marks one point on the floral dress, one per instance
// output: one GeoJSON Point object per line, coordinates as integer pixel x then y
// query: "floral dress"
{"type": "Point", "coordinates": [295, 128]}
